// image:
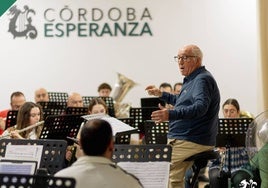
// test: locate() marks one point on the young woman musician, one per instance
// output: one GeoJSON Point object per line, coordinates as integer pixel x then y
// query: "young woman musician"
{"type": "Point", "coordinates": [238, 155]}
{"type": "Point", "coordinates": [96, 106]}
{"type": "Point", "coordinates": [28, 115]}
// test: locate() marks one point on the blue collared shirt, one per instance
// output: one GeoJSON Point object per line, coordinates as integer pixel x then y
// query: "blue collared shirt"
{"type": "Point", "coordinates": [195, 114]}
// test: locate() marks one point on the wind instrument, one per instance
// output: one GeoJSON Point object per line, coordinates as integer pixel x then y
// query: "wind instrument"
{"type": "Point", "coordinates": [246, 114]}
{"type": "Point", "coordinates": [121, 88]}
{"type": "Point", "coordinates": [72, 149]}
{"type": "Point", "coordinates": [24, 129]}
{"type": "Point", "coordinates": [75, 140]}
{"type": "Point", "coordinates": [223, 155]}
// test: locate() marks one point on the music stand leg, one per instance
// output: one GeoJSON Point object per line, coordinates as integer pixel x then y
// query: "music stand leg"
{"type": "Point", "coordinates": [229, 166]}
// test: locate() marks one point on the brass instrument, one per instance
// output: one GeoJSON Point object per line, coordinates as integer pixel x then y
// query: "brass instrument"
{"type": "Point", "coordinates": [122, 87]}
{"type": "Point", "coordinates": [246, 114]}
{"type": "Point", "coordinates": [24, 129]}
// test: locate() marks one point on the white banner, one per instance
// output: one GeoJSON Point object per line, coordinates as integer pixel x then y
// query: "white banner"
{"type": "Point", "coordinates": [73, 46]}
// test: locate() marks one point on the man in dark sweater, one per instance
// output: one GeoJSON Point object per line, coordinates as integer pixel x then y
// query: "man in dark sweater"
{"type": "Point", "coordinates": [193, 122]}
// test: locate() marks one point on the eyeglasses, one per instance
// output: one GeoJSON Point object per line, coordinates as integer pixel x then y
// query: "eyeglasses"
{"type": "Point", "coordinates": [184, 58]}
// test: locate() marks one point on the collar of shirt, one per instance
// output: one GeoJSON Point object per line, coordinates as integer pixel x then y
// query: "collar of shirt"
{"type": "Point", "coordinates": [193, 74]}
{"type": "Point", "coordinates": [94, 159]}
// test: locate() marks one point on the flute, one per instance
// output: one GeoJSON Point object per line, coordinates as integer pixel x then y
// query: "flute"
{"type": "Point", "coordinates": [24, 129]}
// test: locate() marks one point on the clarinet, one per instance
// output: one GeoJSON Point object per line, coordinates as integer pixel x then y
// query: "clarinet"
{"type": "Point", "coordinates": [223, 155]}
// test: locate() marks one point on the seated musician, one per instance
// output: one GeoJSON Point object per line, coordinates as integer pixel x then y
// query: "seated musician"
{"type": "Point", "coordinates": [238, 155]}
{"type": "Point", "coordinates": [17, 99]}
{"type": "Point", "coordinates": [41, 95]}
{"type": "Point", "coordinates": [75, 100]}
{"type": "Point", "coordinates": [94, 167]}
{"type": "Point", "coordinates": [104, 90]}
{"type": "Point", "coordinates": [28, 114]}
{"type": "Point", "coordinates": [96, 106]}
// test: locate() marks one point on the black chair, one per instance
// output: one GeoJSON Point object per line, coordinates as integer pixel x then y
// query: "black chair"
{"type": "Point", "coordinates": [200, 161]}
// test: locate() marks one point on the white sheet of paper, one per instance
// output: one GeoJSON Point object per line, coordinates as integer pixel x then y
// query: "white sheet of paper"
{"type": "Point", "coordinates": [150, 174]}
{"type": "Point", "coordinates": [117, 125]}
{"type": "Point", "coordinates": [18, 168]}
{"type": "Point", "coordinates": [24, 152]}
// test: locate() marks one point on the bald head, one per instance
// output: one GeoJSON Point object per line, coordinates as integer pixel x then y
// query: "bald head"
{"type": "Point", "coordinates": [41, 95]}
{"type": "Point", "coordinates": [75, 100]}
{"type": "Point", "coordinates": [190, 58]}
{"type": "Point", "coordinates": [192, 50]}
{"type": "Point", "coordinates": [97, 131]}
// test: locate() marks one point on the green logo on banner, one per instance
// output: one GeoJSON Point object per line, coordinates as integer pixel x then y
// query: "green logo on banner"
{"type": "Point", "coordinates": [4, 5]}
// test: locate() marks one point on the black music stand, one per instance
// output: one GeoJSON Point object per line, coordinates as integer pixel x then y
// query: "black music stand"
{"type": "Point", "coordinates": [140, 115]}
{"type": "Point", "coordinates": [53, 154]}
{"type": "Point", "coordinates": [53, 108]}
{"type": "Point", "coordinates": [58, 96]}
{"type": "Point", "coordinates": [129, 121]}
{"type": "Point", "coordinates": [76, 110]}
{"type": "Point", "coordinates": [136, 158]}
{"type": "Point", "coordinates": [87, 99]}
{"type": "Point", "coordinates": [110, 104]}
{"type": "Point", "coordinates": [232, 133]}
{"type": "Point", "coordinates": [155, 133]}
{"type": "Point", "coordinates": [61, 127]}
{"type": "Point", "coordinates": [142, 153]}
{"type": "Point", "coordinates": [109, 101]}
{"type": "Point", "coordinates": [151, 102]}
{"type": "Point", "coordinates": [124, 137]}
{"type": "Point", "coordinates": [11, 118]}
{"type": "Point", "coordinates": [35, 181]}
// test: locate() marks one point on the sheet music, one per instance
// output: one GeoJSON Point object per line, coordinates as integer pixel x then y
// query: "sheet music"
{"type": "Point", "coordinates": [150, 174]}
{"type": "Point", "coordinates": [24, 153]}
{"type": "Point", "coordinates": [95, 116]}
{"type": "Point", "coordinates": [117, 125]}
{"type": "Point", "coordinates": [17, 167]}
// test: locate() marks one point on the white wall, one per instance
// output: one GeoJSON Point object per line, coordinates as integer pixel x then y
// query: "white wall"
{"type": "Point", "coordinates": [226, 30]}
